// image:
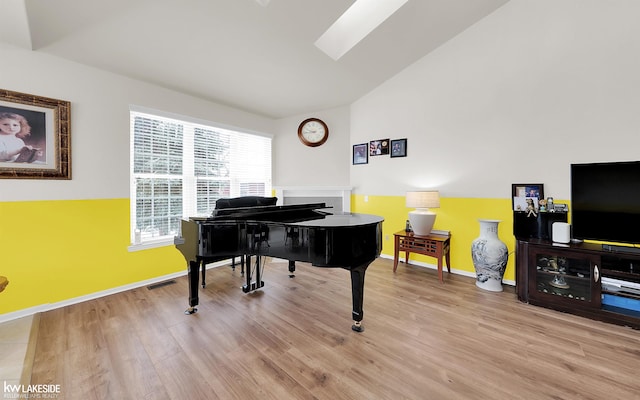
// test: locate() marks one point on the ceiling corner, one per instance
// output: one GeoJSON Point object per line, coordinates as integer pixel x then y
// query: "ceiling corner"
{"type": "Point", "coordinates": [14, 28]}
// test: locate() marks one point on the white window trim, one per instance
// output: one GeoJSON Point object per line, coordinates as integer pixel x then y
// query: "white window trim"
{"type": "Point", "coordinates": [169, 241]}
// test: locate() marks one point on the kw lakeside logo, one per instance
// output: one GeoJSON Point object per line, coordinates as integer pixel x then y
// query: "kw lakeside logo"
{"type": "Point", "coordinates": [39, 391]}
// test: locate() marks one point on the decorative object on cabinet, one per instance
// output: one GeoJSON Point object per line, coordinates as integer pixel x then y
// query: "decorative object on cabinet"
{"type": "Point", "coordinates": [531, 208]}
{"type": "Point", "coordinates": [490, 256]}
{"type": "Point", "coordinates": [557, 207]}
{"type": "Point", "coordinates": [421, 218]}
{"type": "Point", "coordinates": [379, 147]}
{"type": "Point", "coordinates": [549, 204]}
{"type": "Point", "coordinates": [561, 232]}
{"type": "Point", "coordinates": [520, 192]}
{"type": "Point", "coordinates": [38, 144]}
{"type": "Point", "coordinates": [360, 154]}
{"type": "Point", "coordinates": [4, 282]}
{"type": "Point", "coordinates": [398, 148]}
{"type": "Point", "coordinates": [543, 205]}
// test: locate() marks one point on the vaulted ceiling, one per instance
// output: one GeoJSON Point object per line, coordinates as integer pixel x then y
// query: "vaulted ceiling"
{"type": "Point", "coordinates": [237, 52]}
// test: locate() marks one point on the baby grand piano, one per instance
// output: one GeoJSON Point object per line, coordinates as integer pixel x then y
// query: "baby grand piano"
{"type": "Point", "coordinates": [300, 232]}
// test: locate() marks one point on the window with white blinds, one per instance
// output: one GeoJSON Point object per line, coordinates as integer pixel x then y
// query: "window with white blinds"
{"type": "Point", "coordinates": [180, 168]}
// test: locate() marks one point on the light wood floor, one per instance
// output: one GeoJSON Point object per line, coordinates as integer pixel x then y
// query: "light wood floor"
{"type": "Point", "coordinates": [17, 343]}
{"type": "Point", "coordinates": [293, 340]}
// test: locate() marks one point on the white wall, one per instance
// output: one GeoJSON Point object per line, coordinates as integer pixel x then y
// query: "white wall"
{"type": "Point", "coordinates": [99, 122]}
{"type": "Point", "coordinates": [298, 165]}
{"type": "Point", "coordinates": [100, 129]}
{"type": "Point", "coordinates": [515, 98]}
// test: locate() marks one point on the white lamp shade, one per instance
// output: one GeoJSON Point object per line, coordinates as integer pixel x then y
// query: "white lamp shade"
{"type": "Point", "coordinates": [423, 199]}
{"type": "Point", "coordinates": [422, 219]}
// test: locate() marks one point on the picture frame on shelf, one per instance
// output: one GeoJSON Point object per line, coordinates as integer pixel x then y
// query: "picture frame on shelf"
{"type": "Point", "coordinates": [39, 145]}
{"type": "Point", "coordinates": [560, 207]}
{"type": "Point", "coordinates": [398, 148]}
{"type": "Point", "coordinates": [520, 192]}
{"type": "Point", "coordinates": [360, 154]}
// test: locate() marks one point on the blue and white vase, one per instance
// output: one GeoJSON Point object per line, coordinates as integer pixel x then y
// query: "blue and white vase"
{"type": "Point", "coordinates": [490, 256]}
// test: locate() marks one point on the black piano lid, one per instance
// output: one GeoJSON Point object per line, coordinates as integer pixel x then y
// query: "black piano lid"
{"type": "Point", "coordinates": [248, 212]}
{"type": "Point", "coordinates": [308, 215]}
{"type": "Point", "coordinates": [265, 214]}
{"type": "Point", "coordinates": [342, 220]}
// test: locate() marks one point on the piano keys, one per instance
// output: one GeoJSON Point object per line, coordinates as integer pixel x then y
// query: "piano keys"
{"type": "Point", "coordinates": [304, 233]}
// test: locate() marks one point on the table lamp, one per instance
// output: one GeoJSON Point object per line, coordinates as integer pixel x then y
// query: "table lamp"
{"type": "Point", "coordinates": [421, 218]}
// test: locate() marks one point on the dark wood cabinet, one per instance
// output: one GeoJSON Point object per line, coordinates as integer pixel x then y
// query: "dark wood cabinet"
{"type": "Point", "coordinates": [569, 278]}
{"type": "Point", "coordinates": [527, 227]}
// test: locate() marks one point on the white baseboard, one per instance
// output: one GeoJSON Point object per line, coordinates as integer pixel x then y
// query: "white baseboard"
{"type": "Point", "coordinates": [52, 306]}
{"type": "Point", "coordinates": [453, 270]}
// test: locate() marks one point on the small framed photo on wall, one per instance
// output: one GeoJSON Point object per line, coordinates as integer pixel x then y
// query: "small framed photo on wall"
{"type": "Point", "coordinates": [379, 147]}
{"type": "Point", "coordinates": [360, 154]}
{"type": "Point", "coordinates": [399, 148]}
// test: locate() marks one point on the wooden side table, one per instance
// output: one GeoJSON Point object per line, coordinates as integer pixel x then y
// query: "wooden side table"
{"type": "Point", "coordinates": [437, 246]}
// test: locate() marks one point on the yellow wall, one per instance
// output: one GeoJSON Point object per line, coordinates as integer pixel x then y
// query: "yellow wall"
{"type": "Point", "coordinates": [54, 251]}
{"type": "Point", "coordinates": [58, 250]}
{"type": "Point", "coordinates": [460, 216]}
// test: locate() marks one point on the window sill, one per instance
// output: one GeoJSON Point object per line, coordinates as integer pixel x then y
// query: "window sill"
{"type": "Point", "coordinates": [151, 244]}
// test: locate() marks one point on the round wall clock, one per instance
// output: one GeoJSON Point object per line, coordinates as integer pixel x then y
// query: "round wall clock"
{"type": "Point", "coordinates": [313, 132]}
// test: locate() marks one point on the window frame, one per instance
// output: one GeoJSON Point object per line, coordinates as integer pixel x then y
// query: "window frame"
{"type": "Point", "coordinates": [239, 172]}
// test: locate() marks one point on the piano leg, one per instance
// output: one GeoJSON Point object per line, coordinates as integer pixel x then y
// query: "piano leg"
{"type": "Point", "coordinates": [292, 268]}
{"type": "Point", "coordinates": [357, 295]}
{"type": "Point", "coordinates": [194, 270]}
{"type": "Point", "coordinates": [204, 272]}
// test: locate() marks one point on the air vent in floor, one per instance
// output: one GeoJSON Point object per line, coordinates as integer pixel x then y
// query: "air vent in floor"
{"type": "Point", "coordinates": [161, 284]}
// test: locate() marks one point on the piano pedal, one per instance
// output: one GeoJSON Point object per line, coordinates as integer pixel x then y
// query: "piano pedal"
{"type": "Point", "coordinates": [191, 310]}
{"type": "Point", "coordinates": [254, 286]}
{"type": "Point", "coordinates": [357, 326]}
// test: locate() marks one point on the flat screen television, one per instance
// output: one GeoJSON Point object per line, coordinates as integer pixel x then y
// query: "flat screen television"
{"type": "Point", "coordinates": [605, 201]}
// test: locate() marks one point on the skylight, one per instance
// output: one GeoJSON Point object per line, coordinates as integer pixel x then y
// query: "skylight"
{"type": "Point", "coordinates": [355, 24]}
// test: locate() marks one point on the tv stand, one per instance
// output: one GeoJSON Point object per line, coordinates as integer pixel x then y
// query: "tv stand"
{"type": "Point", "coordinates": [622, 249]}
{"type": "Point", "coordinates": [581, 279]}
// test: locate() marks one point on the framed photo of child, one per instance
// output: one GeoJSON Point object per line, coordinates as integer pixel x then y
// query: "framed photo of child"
{"type": "Point", "coordinates": [35, 137]}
